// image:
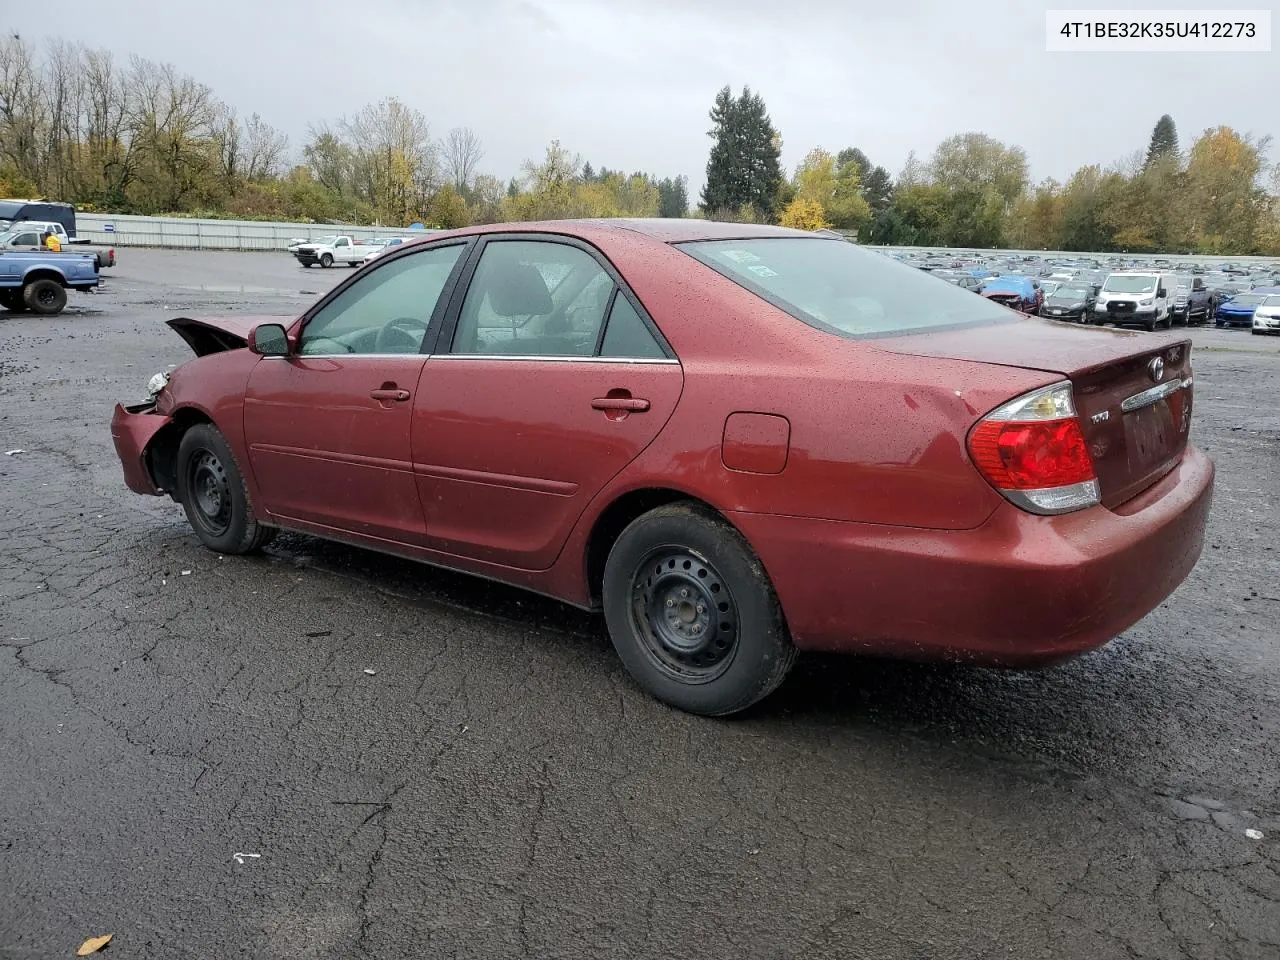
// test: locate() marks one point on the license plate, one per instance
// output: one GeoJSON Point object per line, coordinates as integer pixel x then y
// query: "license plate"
{"type": "Point", "coordinates": [1150, 434]}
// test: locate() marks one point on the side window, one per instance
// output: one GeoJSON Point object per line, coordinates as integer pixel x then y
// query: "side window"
{"type": "Point", "coordinates": [385, 311]}
{"type": "Point", "coordinates": [626, 334]}
{"type": "Point", "coordinates": [27, 240]}
{"type": "Point", "coordinates": [533, 298]}
{"type": "Point", "coordinates": [340, 242]}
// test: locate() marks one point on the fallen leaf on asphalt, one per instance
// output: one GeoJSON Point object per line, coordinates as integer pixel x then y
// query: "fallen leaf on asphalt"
{"type": "Point", "coordinates": [93, 945]}
{"type": "Point", "coordinates": [372, 673]}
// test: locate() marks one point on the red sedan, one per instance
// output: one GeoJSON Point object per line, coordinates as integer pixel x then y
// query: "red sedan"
{"type": "Point", "coordinates": [738, 441]}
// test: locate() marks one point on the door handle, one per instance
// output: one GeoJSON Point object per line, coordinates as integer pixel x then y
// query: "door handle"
{"type": "Point", "coordinates": [384, 394]}
{"type": "Point", "coordinates": [629, 404]}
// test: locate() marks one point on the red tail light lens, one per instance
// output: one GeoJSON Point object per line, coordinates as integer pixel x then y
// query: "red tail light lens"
{"type": "Point", "coordinates": [1033, 451]}
{"type": "Point", "coordinates": [1029, 456]}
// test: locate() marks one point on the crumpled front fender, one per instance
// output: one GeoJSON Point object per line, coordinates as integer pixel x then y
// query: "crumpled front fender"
{"type": "Point", "coordinates": [132, 429]}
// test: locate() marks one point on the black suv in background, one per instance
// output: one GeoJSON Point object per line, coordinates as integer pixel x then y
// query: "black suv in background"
{"type": "Point", "coordinates": [42, 211]}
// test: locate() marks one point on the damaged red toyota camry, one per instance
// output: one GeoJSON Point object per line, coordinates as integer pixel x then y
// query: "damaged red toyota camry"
{"type": "Point", "coordinates": [737, 441]}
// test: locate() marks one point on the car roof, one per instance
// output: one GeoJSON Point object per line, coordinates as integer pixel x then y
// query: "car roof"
{"type": "Point", "coordinates": [664, 230]}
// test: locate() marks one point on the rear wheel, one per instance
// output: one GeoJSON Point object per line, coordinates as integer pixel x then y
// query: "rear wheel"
{"type": "Point", "coordinates": [692, 613]}
{"type": "Point", "coordinates": [211, 489]}
{"type": "Point", "coordinates": [46, 297]}
{"type": "Point", "coordinates": [11, 300]}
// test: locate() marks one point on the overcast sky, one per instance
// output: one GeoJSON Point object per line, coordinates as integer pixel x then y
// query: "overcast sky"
{"type": "Point", "coordinates": [628, 83]}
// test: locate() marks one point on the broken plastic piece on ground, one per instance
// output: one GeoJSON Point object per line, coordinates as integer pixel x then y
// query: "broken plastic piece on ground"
{"type": "Point", "coordinates": [10, 453]}
{"type": "Point", "coordinates": [94, 944]}
{"type": "Point", "coordinates": [372, 673]}
{"type": "Point", "coordinates": [1253, 834]}
{"type": "Point", "coordinates": [240, 857]}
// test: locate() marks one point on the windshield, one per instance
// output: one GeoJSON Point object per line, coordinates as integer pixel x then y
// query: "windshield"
{"type": "Point", "coordinates": [1126, 283]}
{"type": "Point", "coordinates": [837, 287]}
{"type": "Point", "coordinates": [1247, 300]}
{"type": "Point", "coordinates": [1271, 301]}
{"type": "Point", "coordinates": [1071, 293]}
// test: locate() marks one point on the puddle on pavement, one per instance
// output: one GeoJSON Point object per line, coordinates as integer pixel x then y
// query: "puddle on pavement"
{"type": "Point", "coordinates": [244, 288]}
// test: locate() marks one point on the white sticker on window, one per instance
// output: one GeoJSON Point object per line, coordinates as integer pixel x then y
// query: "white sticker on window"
{"type": "Point", "coordinates": [763, 271]}
{"type": "Point", "coordinates": [740, 256]}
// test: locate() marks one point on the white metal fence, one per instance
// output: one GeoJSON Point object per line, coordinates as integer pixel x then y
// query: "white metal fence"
{"type": "Point", "coordinates": [182, 233]}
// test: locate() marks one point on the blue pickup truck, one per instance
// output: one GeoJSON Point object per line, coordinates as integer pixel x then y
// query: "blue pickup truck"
{"type": "Point", "coordinates": [39, 282]}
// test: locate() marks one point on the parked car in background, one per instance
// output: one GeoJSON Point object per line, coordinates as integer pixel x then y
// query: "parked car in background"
{"type": "Point", "coordinates": [1071, 301]}
{"type": "Point", "coordinates": [381, 245]}
{"type": "Point", "coordinates": [901, 430]}
{"type": "Point", "coordinates": [26, 235]}
{"type": "Point", "coordinates": [1237, 310]}
{"type": "Point", "coordinates": [1015, 292]}
{"type": "Point", "coordinates": [1192, 301]}
{"type": "Point", "coordinates": [1136, 298]}
{"type": "Point", "coordinates": [38, 280]}
{"type": "Point", "coordinates": [1266, 316]}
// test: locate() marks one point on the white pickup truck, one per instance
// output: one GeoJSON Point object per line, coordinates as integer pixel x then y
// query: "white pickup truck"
{"type": "Point", "coordinates": [330, 250]}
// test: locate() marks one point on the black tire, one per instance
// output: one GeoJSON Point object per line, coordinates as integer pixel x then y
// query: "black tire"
{"type": "Point", "coordinates": [1150, 325]}
{"type": "Point", "coordinates": [307, 265]}
{"type": "Point", "coordinates": [45, 297]}
{"type": "Point", "coordinates": [326, 260]}
{"type": "Point", "coordinates": [11, 300]}
{"type": "Point", "coordinates": [719, 646]}
{"type": "Point", "coordinates": [211, 489]}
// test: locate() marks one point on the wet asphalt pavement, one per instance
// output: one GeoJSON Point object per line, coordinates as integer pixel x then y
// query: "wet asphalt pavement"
{"type": "Point", "coordinates": [498, 788]}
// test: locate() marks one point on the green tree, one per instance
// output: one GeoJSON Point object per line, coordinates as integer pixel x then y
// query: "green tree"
{"type": "Point", "coordinates": [1164, 140]}
{"type": "Point", "coordinates": [1222, 170]}
{"type": "Point", "coordinates": [673, 196]}
{"type": "Point", "coordinates": [743, 167]}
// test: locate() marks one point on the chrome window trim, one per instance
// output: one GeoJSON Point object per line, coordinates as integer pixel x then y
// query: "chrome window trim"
{"type": "Point", "coordinates": [665, 361]}
{"type": "Point", "coordinates": [1154, 395]}
{"type": "Point", "coordinates": [470, 356]}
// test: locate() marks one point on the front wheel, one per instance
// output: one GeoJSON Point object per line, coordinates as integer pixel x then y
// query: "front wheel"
{"type": "Point", "coordinates": [211, 490]}
{"type": "Point", "coordinates": [693, 614]}
{"type": "Point", "coordinates": [326, 260]}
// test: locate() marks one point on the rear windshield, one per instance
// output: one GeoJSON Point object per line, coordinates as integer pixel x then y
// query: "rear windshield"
{"type": "Point", "coordinates": [837, 287]}
{"type": "Point", "coordinates": [10, 209]}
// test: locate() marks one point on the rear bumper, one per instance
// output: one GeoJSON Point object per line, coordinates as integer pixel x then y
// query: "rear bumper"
{"type": "Point", "coordinates": [1020, 590]}
{"type": "Point", "coordinates": [132, 428]}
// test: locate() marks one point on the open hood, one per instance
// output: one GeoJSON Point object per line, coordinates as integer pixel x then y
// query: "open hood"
{"type": "Point", "coordinates": [207, 335]}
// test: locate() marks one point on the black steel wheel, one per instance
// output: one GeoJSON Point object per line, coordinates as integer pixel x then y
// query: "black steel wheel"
{"type": "Point", "coordinates": [684, 611]}
{"type": "Point", "coordinates": [212, 491]}
{"type": "Point", "coordinates": [206, 480]}
{"type": "Point", "coordinates": [692, 613]}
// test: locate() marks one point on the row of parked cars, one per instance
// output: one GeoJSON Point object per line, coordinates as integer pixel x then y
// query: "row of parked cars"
{"type": "Point", "coordinates": [1146, 293]}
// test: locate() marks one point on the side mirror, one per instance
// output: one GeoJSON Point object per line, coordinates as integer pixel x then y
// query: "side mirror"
{"type": "Point", "coordinates": [269, 340]}
{"type": "Point", "coordinates": [1162, 292]}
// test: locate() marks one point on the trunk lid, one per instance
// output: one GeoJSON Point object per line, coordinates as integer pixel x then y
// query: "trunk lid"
{"type": "Point", "coordinates": [1135, 412]}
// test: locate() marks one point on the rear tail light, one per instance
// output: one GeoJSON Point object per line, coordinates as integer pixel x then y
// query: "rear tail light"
{"type": "Point", "coordinates": [1033, 451]}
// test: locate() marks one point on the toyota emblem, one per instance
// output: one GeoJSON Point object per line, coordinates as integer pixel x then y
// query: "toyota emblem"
{"type": "Point", "coordinates": [1156, 369]}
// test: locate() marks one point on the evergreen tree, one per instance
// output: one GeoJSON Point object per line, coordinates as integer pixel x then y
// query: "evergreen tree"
{"type": "Point", "coordinates": [588, 175]}
{"type": "Point", "coordinates": [743, 168]}
{"type": "Point", "coordinates": [1164, 140]}
{"type": "Point", "coordinates": [673, 197]}
{"type": "Point", "coordinates": [877, 189]}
